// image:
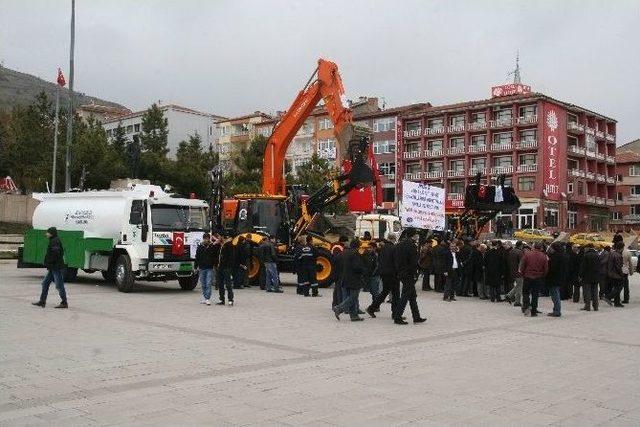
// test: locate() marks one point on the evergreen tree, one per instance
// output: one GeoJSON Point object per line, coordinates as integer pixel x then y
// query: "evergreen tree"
{"type": "Point", "coordinates": [120, 141]}
{"type": "Point", "coordinates": [154, 131]}
{"type": "Point", "coordinates": [247, 174]}
{"type": "Point", "coordinates": [315, 174]}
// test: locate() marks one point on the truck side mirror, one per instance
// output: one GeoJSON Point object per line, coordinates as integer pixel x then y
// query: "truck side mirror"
{"type": "Point", "coordinates": [135, 217]}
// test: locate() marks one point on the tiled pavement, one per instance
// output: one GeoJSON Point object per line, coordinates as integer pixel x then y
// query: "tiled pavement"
{"type": "Point", "coordinates": [158, 357]}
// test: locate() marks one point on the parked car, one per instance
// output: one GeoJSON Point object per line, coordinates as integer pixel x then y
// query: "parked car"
{"type": "Point", "coordinates": [595, 239]}
{"type": "Point", "coordinates": [533, 235]}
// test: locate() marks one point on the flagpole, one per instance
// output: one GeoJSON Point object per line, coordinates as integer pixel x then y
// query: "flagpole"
{"type": "Point", "coordinates": [67, 176]}
{"type": "Point", "coordinates": [55, 140]}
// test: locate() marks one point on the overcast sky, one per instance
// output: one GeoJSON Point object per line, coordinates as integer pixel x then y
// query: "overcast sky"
{"type": "Point", "coordinates": [235, 57]}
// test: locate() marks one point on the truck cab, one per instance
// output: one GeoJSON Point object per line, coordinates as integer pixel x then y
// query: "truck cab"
{"type": "Point", "coordinates": [380, 226]}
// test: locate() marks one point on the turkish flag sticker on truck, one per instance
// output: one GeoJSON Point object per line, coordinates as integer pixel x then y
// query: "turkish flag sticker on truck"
{"type": "Point", "coordinates": [177, 244]}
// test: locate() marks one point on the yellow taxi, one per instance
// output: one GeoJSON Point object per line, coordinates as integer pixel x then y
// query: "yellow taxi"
{"type": "Point", "coordinates": [595, 239]}
{"type": "Point", "coordinates": [532, 235]}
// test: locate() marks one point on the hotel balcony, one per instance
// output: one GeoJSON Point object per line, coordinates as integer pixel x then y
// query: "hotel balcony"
{"type": "Point", "coordinates": [600, 156]}
{"type": "Point", "coordinates": [611, 202]}
{"type": "Point", "coordinates": [455, 172]}
{"type": "Point", "coordinates": [575, 127]}
{"type": "Point", "coordinates": [456, 128]}
{"type": "Point", "coordinates": [591, 154]}
{"type": "Point", "coordinates": [601, 178]}
{"type": "Point", "coordinates": [433, 174]}
{"type": "Point", "coordinates": [475, 171]}
{"type": "Point", "coordinates": [590, 131]}
{"type": "Point", "coordinates": [391, 176]}
{"type": "Point", "coordinates": [455, 150]}
{"type": "Point", "coordinates": [502, 146]}
{"type": "Point", "coordinates": [455, 196]}
{"type": "Point", "coordinates": [609, 137]}
{"type": "Point", "coordinates": [411, 154]}
{"type": "Point", "coordinates": [599, 134]}
{"type": "Point", "coordinates": [477, 126]}
{"type": "Point", "coordinates": [591, 199]}
{"type": "Point", "coordinates": [577, 173]}
{"type": "Point", "coordinates": [477, 148]}
{"type": "Point", "coordinates": [433, 153]}
{"type": "Point", "coordinates": [574, 149]}
{"type": "Point", "coordinates": [527, 144]}
{"type": "Point", "coordinates": [611, 159]}
{"type": "Point", "coordinates": [500, 123]}
{"type": "Point", "coordinates": [413, 133]}
{"type": "Point", "coordinates": [434, 131]}
{"type": "Point", "coordinates": [530, 120]}
{"type": "Point", "coordinates": [590, 175]}
{"type": "Point", "coordinates": [499, 170]}
{"type": "Point", "coordinates": [600, 200]}
{"type": "Point", "coordinates": [413, 176]}
{"type": "Point", "coordinates": [611, 180]}
{"type": "Point", "coordinates": [527, 168]}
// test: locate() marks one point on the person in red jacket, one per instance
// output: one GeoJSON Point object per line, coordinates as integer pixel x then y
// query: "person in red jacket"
{"type": "Point", "coordinates": [534, 266]}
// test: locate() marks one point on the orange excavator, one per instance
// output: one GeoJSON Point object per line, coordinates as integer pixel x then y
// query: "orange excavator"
{"type": "Point", "coordinates": [288, 213]}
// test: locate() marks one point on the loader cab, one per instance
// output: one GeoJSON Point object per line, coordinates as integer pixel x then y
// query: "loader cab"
{"type": "Point", "coordinates": [266, 215]}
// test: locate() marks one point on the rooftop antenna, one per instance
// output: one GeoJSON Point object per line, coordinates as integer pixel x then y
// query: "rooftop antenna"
{"type": "Point", "coordinates": [516, 72]}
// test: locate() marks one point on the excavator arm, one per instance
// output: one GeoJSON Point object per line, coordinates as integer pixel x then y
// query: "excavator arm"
{"type": "Point", "coordinates": [324, 84]}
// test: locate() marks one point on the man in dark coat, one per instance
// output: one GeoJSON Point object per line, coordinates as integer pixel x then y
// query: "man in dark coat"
{"type": "Point", "coordinates": [305, 258]}
{"type": "Point", "coordinates": [465, 269]}
{"type": "Point", "coordinates": [337, 253]}
{"type": "Point", "coordinates": [241, 262]}
{"type": "Point", "coordinates": [557, 275]}
{"type": "Point", "coordinates": [572, 288]}
{"type": "Point", "coordinates": [514, 256]}
{"type": "Point", "coordinates": [615, 275]}
{"type": "Point", "coordinates": [452, 268]}
{"type": "Point", "coordinates": [225, 270]}
{"type": "Point", "coordinates": [603, 280]}
{"type": "Point", "coordinates": [353, 274]}
{"type": "Point", "coordinates": [479, 267]}
{"type": "Point", "coordinates": [494, 270]}
{"type": "Point", "coordinates": [589, 270]}
{"type": "Point", "coordinates": [438, 254]}
{"type": "Point", "coordinates": [389, 275]}
{"type": "Point", "coordinates": [206, 258]}
{"type": "Point", "coordinates": [426, 264]}
{"type": "Point", "coordinates": [54, 263]}
{"type": "Point", "coordinates": [406, 257]}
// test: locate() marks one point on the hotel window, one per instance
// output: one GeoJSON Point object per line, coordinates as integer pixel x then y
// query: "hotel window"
{"type": "Point", "coordinates": [387, 168]}
{"type": "Point", "coordinates": [572, 140]}
{"type": "Point", "coordinates": [570, 187]}
{"type": "Point", "coordinates": [590, 143]}
{"type": "Point", "coordinates": [412, 148]}
{"type": "Point", "coordinates": [456, 143]}
{"type": "Point", "coordinates": [456, 187]}
{"type": "Point", "coordinates": [503, 113]}
{"type": "Point", "coordinates": [434, 167]}
{"type": "Point", "coordinates": [435, 145]}
{"type": "Point", "coordinates": [456, 120]}
{"type": "Point", "coordinates": [634, 170]}
{"type": "Point", "coordinates": [479, 140]}
{"type": "Point", "coordinates": [551, 217]}
{"type": "Point", "coordinates": [572, 164]}
{"type": "Point", "coordinates": [528, 159]}
{"type": "Point", "coordinates": [456, 165]}
{"type": "Point", "coordinates": [619, 178]}
{"type": "Point", "coordinates": [503, 138]}
{"type": "Point", "coordinates": [325, 124]}
{"type": "Point", "coordinates": [503, 161]}
{"type": "Point", "coordinates": [634, 209]}
{"type": "Point", "coordinates": [572, 118]}
{"type": "Point", "coordinates": [435, 123]}
{"type": "Point", "coordinates": [526, 183]}
{"type": "Point", "coordinates": [619, 197]}
{"type": "Point", "coordinates": [384, 147]}
{"type": "Point", "coordinates": [508, 182]}
{"type": "Point", "coordinates": [412, 126]}
{"type": "Point", "coordinates": [389, 194]}
{"type": "Point", "coordinates": [616, 216]}
{"type": "Point", "coordinates": [572, 219]}
{"type": "Point", "coordinates": [479, 163]}
{"type": "Point", "coordinates": [480, 117]}
{"type": "Point", "coordinates": [385, 124]}
{"type": "Point", "coordinates": [529, 135]}
{"type": "Point", "coordinates": [528, 111]}
{"type": "Point", "coordinates": [635, 190]}
{"type": "Point", "coordinates": [412, 168]}
{"type": "Point", "coordinates": [580, 188]}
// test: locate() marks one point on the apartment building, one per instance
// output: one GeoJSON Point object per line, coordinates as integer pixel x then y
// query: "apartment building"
{"type": "Point", "coordinates": [235, 134]}
{"type": "Point", "coordinates": [559, 157]}
{"type": "Point", "coordinates": [626, 214]}
{"type": "Point", "coordinates": [182, 122]}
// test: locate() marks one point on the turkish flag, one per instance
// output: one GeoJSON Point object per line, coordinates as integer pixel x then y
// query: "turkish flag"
{"type": "Point", "coordinates": [360, 200]}
{"type": "Point", "coordinates": [61, 80]}
{"type": "Point", "coordinates": [177, 244]}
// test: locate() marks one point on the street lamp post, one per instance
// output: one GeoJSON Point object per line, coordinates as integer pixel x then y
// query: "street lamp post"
{"type": "Point", "coordinates": [67, 176]}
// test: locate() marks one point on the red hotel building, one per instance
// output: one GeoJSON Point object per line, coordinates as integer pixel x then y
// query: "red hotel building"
{"type": "Point", "coordinates": [559, 157]}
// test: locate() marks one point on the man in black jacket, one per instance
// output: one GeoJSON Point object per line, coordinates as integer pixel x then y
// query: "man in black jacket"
{"type": "Point", "coordinates": [557, 275]}
{"type": "Point", "coordinates": [353, 274]}
{"type": "Point", "coordinates": [466, 269]}
{"type": "Point", "coordinates": [406, 258]}
{"type": "Point", "coordinates": [451, 272]}
{"type": "Point", "coordinates": [589, 270]}
{"type": "Point", "coordinates": [389, 275]}
{"type": "Point", "coordinates": [206, 258]}
{"type": "Point", "coordinates": [54, 262]}
{"type": "Point", "coordinates": [615, 275]}
{"type": "Point", "coordinates": [241, 260]}
{"type": "Point", "coordinates": [225, 270]}
{"type": "Point", "coordinates": [495, 265]}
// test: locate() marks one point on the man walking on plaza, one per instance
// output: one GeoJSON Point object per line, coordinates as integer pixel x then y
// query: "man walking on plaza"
{"type": "Point", "coordinates": [513, 262]}
{"type": "Point", "coordinates": [389, 275]}
{"type": "Point", "coordinates": [589, 269]}
{"type": "Point", "coordinates": [353, 273]}
{"type": "Point", "coordinates": [225, 271]}
{"type": "Point", "coordinates": [534, 265]}
{"type": "Point", "coordinates": [451, 273]}
{"type": "Point", "coordinates": [615, 275]}
{"type": "Point", "coordinates": [206, 257]}
{"type": "Point", "coordinates": [54, 263]}
{"type": "Point", "coordinates": [406, 257]}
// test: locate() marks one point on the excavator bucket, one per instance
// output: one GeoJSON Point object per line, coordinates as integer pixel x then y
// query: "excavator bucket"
{"type": "Point", "coordinates": [359, 172]}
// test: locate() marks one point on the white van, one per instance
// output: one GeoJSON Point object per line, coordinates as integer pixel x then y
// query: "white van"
{"type": "Point", "coordinates": [380, 226]}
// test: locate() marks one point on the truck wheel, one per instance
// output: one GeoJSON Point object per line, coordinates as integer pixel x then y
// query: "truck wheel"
{"type": "Point", "coordinates": [123, 274]}
{"type": "Point", "coordinates": [188, 283]}
{"type": "Point", "coordinates": [109, 275]}
{"type": "Point", "coordinates": [253, 272]}
{"type": "Point", "coordinates": [70, 274]}
{"type": "Point", "coordinates": [324, 268]}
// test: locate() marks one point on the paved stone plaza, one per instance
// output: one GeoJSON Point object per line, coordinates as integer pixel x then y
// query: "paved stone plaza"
{"type": "Point", "coordinates": [158, 357]}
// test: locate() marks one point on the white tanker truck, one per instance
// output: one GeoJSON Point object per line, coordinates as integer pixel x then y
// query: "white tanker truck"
{"type": "Point", "coordinates": [137, 233]}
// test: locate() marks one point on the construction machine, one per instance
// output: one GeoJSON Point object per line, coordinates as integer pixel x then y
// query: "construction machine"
{"type": "Point", "coordinates": [288, 212]}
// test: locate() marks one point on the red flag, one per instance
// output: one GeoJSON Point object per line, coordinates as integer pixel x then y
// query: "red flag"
{"type": "Point", "coordinates": [61, 80]}
{"type": "Point", "coordinates": [177, 244]}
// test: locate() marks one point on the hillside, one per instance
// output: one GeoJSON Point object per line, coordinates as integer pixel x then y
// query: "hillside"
{"type": "Point", "coordinates": [18, 88]}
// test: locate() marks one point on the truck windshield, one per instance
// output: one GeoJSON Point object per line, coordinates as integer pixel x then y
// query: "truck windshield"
{"type": "Point", "coordinates": [265, 216]}
{"type": "Point", "coordinates": [179, 218]}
